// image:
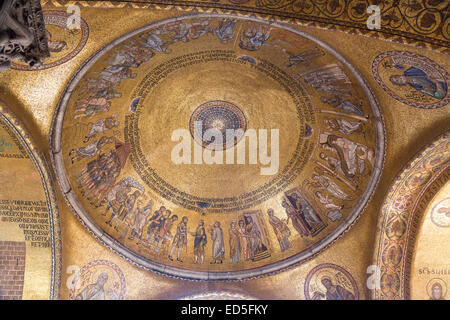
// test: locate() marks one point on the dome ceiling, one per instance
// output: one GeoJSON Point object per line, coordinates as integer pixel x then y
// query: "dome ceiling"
{"type": "Point", "coordinates": [142, 133]}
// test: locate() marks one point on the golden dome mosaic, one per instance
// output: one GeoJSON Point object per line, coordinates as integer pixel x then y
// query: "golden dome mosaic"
{"type": "Point", "coordinates": [217, 147]}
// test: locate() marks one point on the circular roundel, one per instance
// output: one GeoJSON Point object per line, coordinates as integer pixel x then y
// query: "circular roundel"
{"type": "Point", "coordinates": [330, 282]}
{"type": "Point", "coordinates": [66, 38]}
{"type": "Point", "coordinates": [217, 147]}
{"type": "Point", "coordinates": [220, 118]}
{"type": "Point", "coordinates": [412, 79]}
{"type": "Point", "coordinates": [440, 213]}
{"type": "Point", "coordinates": [98, 274]}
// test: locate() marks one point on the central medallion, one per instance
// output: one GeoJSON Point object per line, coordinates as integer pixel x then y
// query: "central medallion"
{"type": "Point", "coordinates": [222, 116]}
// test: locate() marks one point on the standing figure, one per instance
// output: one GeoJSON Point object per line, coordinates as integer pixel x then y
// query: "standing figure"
{"type": "Point", "coordinates": [218, 249]}
{"type": "Point", "coordinates": [127, 209]}
{"type": "Point", "coordinates": [138, 223]}
{"type": "Point", "coordinates": [244, 239]}
{"type": "Point", "coordinates": [281, 230]}
{"type": "Point", "coordinates": [154, 222]}
{"type": "Point", "coordinates": [156, 43]}
{"type": "Point", "coordinates": [235, 243]}
{"type": "Point", "coordinates": [180, 239]}
{"type": "Point", "coordinates": [298, 221]}
{"type": "Point", "coordinates": [163, 232]}
{"type": "Point", "coordinates": [200, 242]}
{"type": "Point", "coordinates": [256, 241]}
{"type": "Point", "coordinates": [311, 217]}
{"type": "Point", "coordinates": [128, 221]}
{"type": "Point", "coordinates": [116, 199]}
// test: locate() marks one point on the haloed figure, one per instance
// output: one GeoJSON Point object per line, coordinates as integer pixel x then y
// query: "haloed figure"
{"type": "Point", "coordinates": [94, 291]}
{"type": "Point", "coordinates": [334, 292]}
{"type": "Point", "coordinates": [420, 81]}
{"type": "Point", "coordinates": [436, 292]}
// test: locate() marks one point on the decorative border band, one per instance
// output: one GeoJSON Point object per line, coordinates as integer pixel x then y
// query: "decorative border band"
{"type": "Point", "coordinates": [423, 27]}
{"type": "Point", "coordinates": [397, 217]}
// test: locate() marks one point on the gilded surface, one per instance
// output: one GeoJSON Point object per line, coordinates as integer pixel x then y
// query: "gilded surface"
{"type": "Point", "coordinates": [423, 23]}
{"type": "Point", "coordinates": [117, 144]}
{"type": "Point", "coordinates": [30, 241]}
{"type": "Point", "coordinates": [430, 273]}
{"type": "Point", "coordinates": [34, 95]}
{"type": "Point", "coordinates": [396, 226]}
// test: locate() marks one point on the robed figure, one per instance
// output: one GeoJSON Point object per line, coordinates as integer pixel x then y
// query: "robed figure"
{"type": "Point", "coordinates": [218, 248]}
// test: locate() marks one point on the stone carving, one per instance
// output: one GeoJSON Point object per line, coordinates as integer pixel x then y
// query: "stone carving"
{"type": "Point", "coordinates": [22, 33]}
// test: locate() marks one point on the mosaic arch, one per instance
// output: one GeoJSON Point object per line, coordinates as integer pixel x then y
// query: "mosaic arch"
{"type": "Point", "coordinates": [112, 144]}
{"type": "Point", "coordinates": [401, 216]}
{"type": "Point", "coordinates": [30, 238]}
{"type": "Point", "coordinates": [420, 23]}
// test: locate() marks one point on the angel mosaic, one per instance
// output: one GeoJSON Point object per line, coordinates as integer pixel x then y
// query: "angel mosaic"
{"type": "Point", "coordinates": [254, 37]}
{"type": "Point", "coordinates": [186, 30]}
{"type": "Point", "coordinates": [225, 30]}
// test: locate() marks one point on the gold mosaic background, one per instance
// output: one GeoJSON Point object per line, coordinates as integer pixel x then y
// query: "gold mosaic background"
{"type": "Point", "coordinates": [34, 95]}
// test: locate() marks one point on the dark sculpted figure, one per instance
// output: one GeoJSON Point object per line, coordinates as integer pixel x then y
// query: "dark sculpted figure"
{"type": "Point", "coordinates": [22, 33]}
